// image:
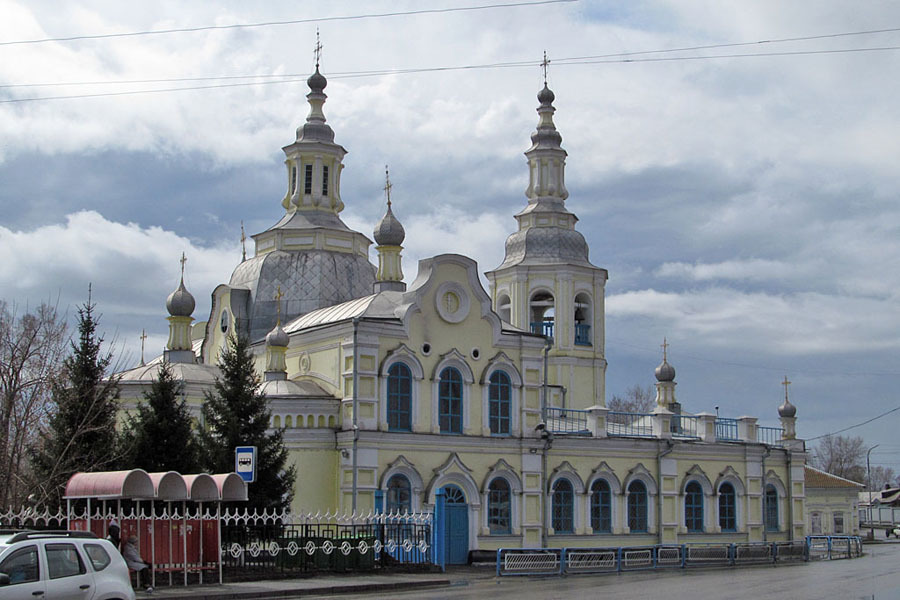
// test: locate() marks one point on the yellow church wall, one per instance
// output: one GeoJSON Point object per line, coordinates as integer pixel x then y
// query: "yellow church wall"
{"type": "Point", "coordinates": [316, 484]}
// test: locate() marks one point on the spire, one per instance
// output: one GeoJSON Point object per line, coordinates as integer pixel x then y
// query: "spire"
{"type": "Point", "coordinates": [389, 236]}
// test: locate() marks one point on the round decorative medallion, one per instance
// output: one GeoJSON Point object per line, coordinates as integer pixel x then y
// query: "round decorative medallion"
{"type": "Point", "coordinates": [304, 363]}
{"type": "Point", "coordinates": [452, 302]}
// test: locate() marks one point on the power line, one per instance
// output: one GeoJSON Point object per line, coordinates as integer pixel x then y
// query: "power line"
{"type": "Point", "coordinates": [278, 23]}
{"type": "Point", "coordinates": [866, 422]}
{"type": "Point", "coordinates": [380, 73]}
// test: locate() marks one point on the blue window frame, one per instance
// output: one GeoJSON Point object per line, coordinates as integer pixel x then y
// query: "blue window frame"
{"type": "Point", "coordinates": [499, 507]}
{"type": "Point", "coordinates": [399, 495]}
{"type": "Point", "coordinates": [399, 398]}
{"type": "Point", "coordinates": [637, 507]}
{"type": "Point", "coordinates": [454, 495]}
{"type": "Point", "coordinates": [450, 411]}
{"type": "Point", "coordinates": [727, 508]}
{"type": "Point", "coordinates": [601, 507]}
{"type": "Point", "coordinates": [693, 507]}
{"type": "Point", "coordinates": [499, 403]}
{"type": "Point", "coordinates": [771, 508]}
{"type": "Point", "coordinates": [563, 507]}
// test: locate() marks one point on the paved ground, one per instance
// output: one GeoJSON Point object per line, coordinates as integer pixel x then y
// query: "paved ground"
{"type": "Point", "coordinates": [874, 576]}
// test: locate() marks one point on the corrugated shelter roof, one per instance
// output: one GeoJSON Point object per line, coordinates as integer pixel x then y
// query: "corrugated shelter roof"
{"type": "Point", "coordinates": [816, 478]}
{"type": "Point", "coordinates": [231, 487]}
{"type": "Point", "coordinates": [134, 484]}
{"type": "Point", "coordinates": [169, 486]}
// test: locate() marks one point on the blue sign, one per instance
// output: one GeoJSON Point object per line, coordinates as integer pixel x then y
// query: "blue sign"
{"type": "Point", "coordinates": [245, 462]}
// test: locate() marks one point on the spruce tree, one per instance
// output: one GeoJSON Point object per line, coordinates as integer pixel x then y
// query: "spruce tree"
{"type": "Point", "coordinates": [236, 414]}
{"type": "Point", "coordinates": [81, 433]}
{"type": "Point", "coordinates": [160, 437]}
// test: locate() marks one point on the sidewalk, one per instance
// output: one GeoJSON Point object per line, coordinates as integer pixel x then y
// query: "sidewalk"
{"type": "Point", "coordinates": [320, 585]}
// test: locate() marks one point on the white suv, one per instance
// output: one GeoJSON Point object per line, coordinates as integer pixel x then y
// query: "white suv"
{"type": "Point", "coordinates": [61, 565]}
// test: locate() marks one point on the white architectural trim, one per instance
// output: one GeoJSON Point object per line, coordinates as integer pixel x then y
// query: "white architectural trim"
{"type": "Point", "coordinates": [503, 470]}
{"type": "Point", "coordinates": [404, 355]}
{"type": "Point", "coordinates": [640, 473]}
{"type": "Point", "coordinates": [401, 466]}
{"type": "Point", "coordinates": [729, 475]}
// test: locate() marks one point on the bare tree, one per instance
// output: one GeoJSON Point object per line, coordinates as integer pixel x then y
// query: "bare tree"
{"type": "Point", "coordinates": [880, 477]}
{"type": "Point", "coordinates": [31, 353]}
{"type": "Point", "coordinates": [840, 455]}
{"type": "Point", "coordinates": [637, 399]}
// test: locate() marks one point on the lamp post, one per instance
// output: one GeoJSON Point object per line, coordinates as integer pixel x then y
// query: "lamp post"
{"type": "Point", "coordinates": [869, 481]}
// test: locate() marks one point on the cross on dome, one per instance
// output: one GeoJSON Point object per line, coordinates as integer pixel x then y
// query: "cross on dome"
{"type": "Point", "coordinates": [544, 66]}
{"type": "Point", "coordinates": [387, 185]}
{"type": "Point", "coordinates": [277, 297]}
{"type": "Point", "coordinates": [318, 49]}
{"type": "Point", "coordinates": [143, 337]}
{"type": "Point", "coordinates": [182, 261]}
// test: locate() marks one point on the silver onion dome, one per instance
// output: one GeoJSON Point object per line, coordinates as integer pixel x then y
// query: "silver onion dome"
{"type": "Point", "coordinates": [389, 231]}
{"type": "Point", "coordinates": [277, 337]}
{"type": "Point", "coordinates": [180, 303]}
{"type": "Point", "coordinates": [787, 409]}
{"type": "Point", "coordinates": [665, 372]}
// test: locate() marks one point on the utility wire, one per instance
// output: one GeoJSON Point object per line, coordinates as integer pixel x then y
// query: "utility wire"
{"type": "Point", "coordinates": [424, 11]}
{"type": "Point", "coordinates": [380, 73]}
{"type": "Point", "coordinates": [866, 422]}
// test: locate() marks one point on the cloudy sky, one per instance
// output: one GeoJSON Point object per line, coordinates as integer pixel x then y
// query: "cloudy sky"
{"type": "Point", "coordinates": [739, 184]}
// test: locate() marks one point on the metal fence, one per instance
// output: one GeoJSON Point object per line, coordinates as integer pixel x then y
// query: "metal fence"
{"type": "Point", "coordinates": [685, 427]}
{"type": "Point", "coordinates": [726, 430]}
{"type": "Point", "coordinates": [771, 436]}
{"type": "Point", "coordinates": [566, 421]}
{"type": "Point", "coordinates": [544, 561]}
{"type": "Point", "coordinates": [625, 424]}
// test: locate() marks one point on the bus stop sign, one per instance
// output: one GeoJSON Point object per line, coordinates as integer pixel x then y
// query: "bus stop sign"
{"type": "Point", "coordinates": [245, 462]}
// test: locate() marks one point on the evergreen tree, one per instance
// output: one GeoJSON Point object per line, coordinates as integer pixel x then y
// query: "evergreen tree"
{"type": "Point", "coordinates": [160, 437]}
{"type": "Point", "coordinates": [81, 433]}
{"type": "Point", "coordinates": [236, 414]}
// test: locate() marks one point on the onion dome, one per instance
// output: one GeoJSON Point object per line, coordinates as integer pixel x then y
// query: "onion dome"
{"type": "Point", "coordinates": [317, 81]}
{"type": "Point", "coordinates": [787, 409]}
{"type": "Point", "coordinates": [277, 337]}
{"type": "Point", "coordinates": [546, 96]}
{"type": "Point", "coordinates": [665, 372]}
{"type": "Point", "coordinates": [389, 231]}
{"type": "Point", "coordinates": [180, 303]}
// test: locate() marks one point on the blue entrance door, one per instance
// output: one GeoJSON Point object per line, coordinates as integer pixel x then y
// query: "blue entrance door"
{"type": "Point", "coordinates": [457, 526]}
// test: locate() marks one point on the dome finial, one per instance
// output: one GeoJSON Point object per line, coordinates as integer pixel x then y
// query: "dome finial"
{"type": "Point", "coordinates": [318, 49]}
{"type": "Point", "coordinates": [665, 371]}
{"type": "Point", "coordinates": [387, 186]}
{"type": "Point", "coordinates": [787, 409]}
{"type": "Point", "coordinates": [180, 303]}
{"type": "Point", "coordinates": [544, 66]}
{"type": "Point", "coordinates": [389, 231]}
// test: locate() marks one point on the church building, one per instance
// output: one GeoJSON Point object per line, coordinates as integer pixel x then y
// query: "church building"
{"type": "Point", "coordinates": [388, 392]}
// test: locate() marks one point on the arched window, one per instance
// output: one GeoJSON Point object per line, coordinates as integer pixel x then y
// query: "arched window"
{"type": "Point", "coordinates": [543, 313]}
{"type": "Point", "coordinates": [399, 398]}
{"type": "Point", "coordinates": [727, 508]}
{"type": "Point", "coordinates": [399, 495]}
{"type": "Point", "coordinates": [499, 403]}
{"type": "Point", "coordinates": [454, 495]}
{"type": "Point", "coordinates": [563, 507]}
{"type": "Point", "coordinates": [450, 401]}
{"type": "Point", "coordinates": [324, 180]}
{"type": "Point", "coordinates": [499, 507]}
{"type": "Point", "coordinates": [693, 507]}
{"type": "Point", "coordinates": [770, 509]}
{"type": "Point", "coordinates": [583, 320]}
{"type": "Point", "coordinates": [504, 308]}
{"type": "Point", "coordinates": [601, 507]}
{"type": "Point", "coordinates": [307, 179]}
{"type": "Point", "coordinates": [637, 507]}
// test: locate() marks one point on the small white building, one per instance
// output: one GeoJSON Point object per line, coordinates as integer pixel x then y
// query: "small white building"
{"type": "Point", "coordinates": [832, 503]}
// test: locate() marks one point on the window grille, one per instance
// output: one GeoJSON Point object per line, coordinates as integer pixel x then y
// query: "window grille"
{"type": "Point", "coordinates": [450, 400]}
{"type": "Point", "coordinates": [637, 507]}
{"type": "Point", "coordinates": [727, 508]}
{"type": "Point", "coordinates": [499, 403]}
{"type": "Point", "coordinates": [499, 507]}
{"type": "Point", "coordinates": [601, 507]}
{"type": "Point", "coordinates": [693, 507]}
{"type": "Point", "coordinates": [399, 398]}
{"type": "Point", "coordinates": [563, 507]}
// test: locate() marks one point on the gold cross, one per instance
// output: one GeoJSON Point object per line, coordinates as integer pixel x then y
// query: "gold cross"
{"type": "Point", "coordinates": [786, 383]}
{"type": "Point", "coordinates": [183, 260]}
{"type": "Point", "coordinates": [143, 337]}
{"type": "Point", "coordinates": [277, 297]}
{"type": "Point", "coordinates": [318, 49]}
{"type": "Point", "coordinates": [665, 346]}
{"type": "Point", "coordinates": [243, 239]}
{"type": "Point", "coordinates": [544, 64]}
{"type": "Point", "coordinates": [387, 185]}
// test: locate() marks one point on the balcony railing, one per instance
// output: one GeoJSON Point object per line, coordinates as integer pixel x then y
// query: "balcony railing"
{"type": "Point", "coordinates": [623, 424]}
{"type": "Point", "coordinates": [771, 436]}
{"type": "Point", "coordinates": [727, 430]}
{"type": "Point", "coordinates": [544, 328]}
{"type": "Point", "coordinates": [685, 426]}
{"type": "Point", "coordinates": [566, 421]}
{"type": "Point", "coordinates": [582, 334]}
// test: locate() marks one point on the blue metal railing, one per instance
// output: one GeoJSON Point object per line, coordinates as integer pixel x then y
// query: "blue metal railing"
{"type": "Point", "coordinates": [582, 334]}
{"type": "Point", "coordinates": [559, 561]}
{"type": "Point", "coordinates": [727, 430]}
{"type": "Point", "coordinates": [566, 421]}
{"type": "Point", "coordinates": [771, 436]}
{"type": "Point", "coordinates": [542, 327]}
{"type": "Point", "coordinates": [685, 426]}
{"type": "Point", "coordinates": [625, 424]}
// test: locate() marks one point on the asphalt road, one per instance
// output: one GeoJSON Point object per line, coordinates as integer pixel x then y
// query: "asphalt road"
{"type": "Point", "coordinates": [875, 576]}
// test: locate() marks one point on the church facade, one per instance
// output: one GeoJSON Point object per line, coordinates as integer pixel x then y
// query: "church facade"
{"type": "Point", "coordinates": [388, 393]}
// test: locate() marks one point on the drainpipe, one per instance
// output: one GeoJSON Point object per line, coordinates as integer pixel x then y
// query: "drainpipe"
{"type": "Point", "coordinates": [765, 528]}
{"type": "Point", "coordinates": [548, 342]}
{"type": "Point", "coordinates": [355, 408]}
{"type": "Point", "coordinates": [547, 436]}
{"type": "Point", "coordinates": [659, 488]}
{"type": "Point", "coordinates": [790, 497]}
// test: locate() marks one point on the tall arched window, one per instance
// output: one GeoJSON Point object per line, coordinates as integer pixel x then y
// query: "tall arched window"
{"type": "Point", "coordinates": [637, 507]}
{"type": "Point", "coordinates": [450, 391]}
{"type": "Point", "coordinates": [504, 308]}
{"type": "Point", "coordinates": [583, 320]}
{"type": "Point", "coordinates": [770, 510]}
{"type": "Point", "coordinates": [399, 398]}
{"type": "Point", "coordinates": [601, 507]}
{"type": "Point", "coordinates": [499, 507]}
{"type": "Point", "coordinates": [499, 403]}
{"type": "Point", "coordinates": [399, 495]}
{"type": "Point", "coordinates": [543, 312]}
{"type": "Point", "coordinates": [693, 507]}
{"type": "Point", "coordinates": [727, 508]}
{"type": "Point", "coordinates": [563, 507]}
